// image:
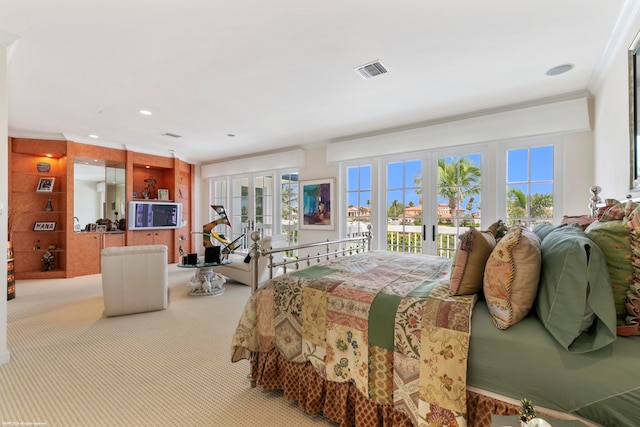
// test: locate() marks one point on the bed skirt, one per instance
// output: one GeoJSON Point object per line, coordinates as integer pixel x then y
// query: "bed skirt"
{"type": "Point", "coordinates": [343, 403]}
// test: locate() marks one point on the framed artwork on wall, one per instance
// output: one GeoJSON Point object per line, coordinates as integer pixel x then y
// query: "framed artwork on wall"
{"type": "Point", "coordinates": [45, 185]}
{"type": "Point", "coordinates": [317, 203]}
{"type": "Point", "coordinates": [163, 194]}
{"type": "Point", "coordinates": [44, 226]}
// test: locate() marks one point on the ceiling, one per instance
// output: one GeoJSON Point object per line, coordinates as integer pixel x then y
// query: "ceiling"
{"type": "Point", "coordinates": [279, 74]}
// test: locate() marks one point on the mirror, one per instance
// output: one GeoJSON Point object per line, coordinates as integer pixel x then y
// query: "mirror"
{"type": "Point", "coordinates": [99, 191]}
{"type": "Point", "coordinates": [634, 109]}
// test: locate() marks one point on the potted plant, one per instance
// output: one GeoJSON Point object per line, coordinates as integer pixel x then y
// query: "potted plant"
{"type": "Point", "coordinates": [527, 412]}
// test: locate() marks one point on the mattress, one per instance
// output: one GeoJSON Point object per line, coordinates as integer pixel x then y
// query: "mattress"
{"type": "Point", "coordinates": [525, 361]}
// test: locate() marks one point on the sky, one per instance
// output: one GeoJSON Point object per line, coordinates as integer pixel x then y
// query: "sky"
{"type": "Point", "coordinates": [535, 164]}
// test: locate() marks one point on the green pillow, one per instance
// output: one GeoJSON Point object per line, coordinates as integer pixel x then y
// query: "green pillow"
{"type": "Point", "coordinates": [543, 230]}
{"type": "Point", "coordinates": [575, 301]}
{"type": "Point", "coordinates": [614, 240]}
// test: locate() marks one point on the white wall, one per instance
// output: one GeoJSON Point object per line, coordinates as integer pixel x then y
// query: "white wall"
{"type": "Point", "coordinates": [578, 173]}
{"type": "Point", "coordinates": [316, 167]}
{"type": "Point", "coordinates": [611, 121]}
{"type": "Point", "coordinates": [4, 198]}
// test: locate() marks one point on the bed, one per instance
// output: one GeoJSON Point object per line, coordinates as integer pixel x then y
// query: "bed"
{"type": "Point", "coordinates": [385, 338]}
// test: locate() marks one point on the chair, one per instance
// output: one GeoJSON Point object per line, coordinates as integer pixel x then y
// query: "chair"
{"type": "Point", "coordinates": [239, 269]}
{"type": "Point", "coordinates": [135, 279]}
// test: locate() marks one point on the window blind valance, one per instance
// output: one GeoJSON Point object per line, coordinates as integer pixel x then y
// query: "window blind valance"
{"type": "Point", "coordinates": [560, 117]}
{"type": "Point", "coordinates": [276, 161]}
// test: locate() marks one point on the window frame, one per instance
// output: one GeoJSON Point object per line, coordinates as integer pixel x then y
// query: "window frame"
{"type": "Point", "coordinates": [557, 142]}
{"type": "Point", "coordinates": [493, 185]}
{"type": "Point", "coordinates": [381, 224]}
{"type": "Point", "coordinates": [343, 199]}
{"type": "Point", "coordinates": [276, 192]}
{"type": "Point", "coordinates": [485, 176]}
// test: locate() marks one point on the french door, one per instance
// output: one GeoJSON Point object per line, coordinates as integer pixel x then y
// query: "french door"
{"type": "Point", "coordinates": [252, 205]}
{"type": "Point", "coordinates": [403, 211]}
{"type": "Point", "coordinates": [431, 198]}
{"type": "Point", "coordinates": [458, 195]}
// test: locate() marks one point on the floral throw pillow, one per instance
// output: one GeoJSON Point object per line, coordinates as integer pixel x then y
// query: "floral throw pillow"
{"type": "Point", "coordinates": [511, 277]}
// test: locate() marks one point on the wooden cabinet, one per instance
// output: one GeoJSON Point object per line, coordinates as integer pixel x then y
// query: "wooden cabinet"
{"type": "Point", "coordinates": [151, 237]}
{"type": "Point", "coordinates": [110, 240]}
{"type": "Point", "coordinates": [85, 248]}
{"type": "Point", "coordinates": [85, 254]}
{"type": "Point", "coordinates": [37, 208]}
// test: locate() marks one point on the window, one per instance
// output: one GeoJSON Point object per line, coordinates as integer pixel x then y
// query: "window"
{"type": "Point", "coordinates": [289, 207]}
{"type": "Point", "coordinates": [425, 200]}
{"type": "Point", "coordinates": [263, 204]}
{"type": "Point", "coordinates": [258, 202]}
{"type": "Point", "coordinates": [404, 206]}
{"type": "Point", "coordinates": [459, 191]}
{"type": "Point", "coordinates": [358, 204]}
{"type": "Point", "coordinates": [530, 185]}
{"type": "Point", "coordinates": [218, 197]}
{"type": "Point", "coordinates": [239, 212]}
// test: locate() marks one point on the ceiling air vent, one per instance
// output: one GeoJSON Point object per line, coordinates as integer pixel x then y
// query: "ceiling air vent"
{"type": "Point", "coordinates": [370, 70]}
{"type": "Point", "coordinates": [172, 135]}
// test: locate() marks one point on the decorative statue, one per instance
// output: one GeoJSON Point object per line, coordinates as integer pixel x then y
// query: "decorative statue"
{"type": "Point", "coordinates": [206, 283]}
{"type": "Point", "coordinates": [208, 231]}
{"type": "Point", "coordinates": [47, 261]}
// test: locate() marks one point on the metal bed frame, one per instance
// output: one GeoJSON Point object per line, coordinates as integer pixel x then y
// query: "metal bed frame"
{"type": "Point", "coordinates": [340, 247]}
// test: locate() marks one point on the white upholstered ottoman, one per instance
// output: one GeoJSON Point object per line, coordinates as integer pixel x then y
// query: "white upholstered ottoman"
{"type": "Point", "coordinates": [134, 279]}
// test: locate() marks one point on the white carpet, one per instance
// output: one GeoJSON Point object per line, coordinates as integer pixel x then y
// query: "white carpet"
{"type": "Point", "coordinates": [72, 367]}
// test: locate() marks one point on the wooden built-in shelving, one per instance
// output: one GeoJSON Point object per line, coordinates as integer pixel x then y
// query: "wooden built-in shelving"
{"type": "Point", "coordinates": [77, 253]}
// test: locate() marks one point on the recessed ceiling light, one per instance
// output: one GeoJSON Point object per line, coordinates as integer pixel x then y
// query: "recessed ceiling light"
{"type": "Point", "coordinates": [560, 69]}
{"type": "Point", "coordinates": [94, 136]}
{"type": "Point", "coordinates": [145, 112]}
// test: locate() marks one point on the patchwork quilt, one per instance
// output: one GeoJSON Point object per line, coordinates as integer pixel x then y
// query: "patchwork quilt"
{"type": "Point", "coordinates": [382, 320]}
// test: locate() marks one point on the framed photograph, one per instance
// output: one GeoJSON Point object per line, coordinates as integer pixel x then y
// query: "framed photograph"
{"type": "Point", "coordinates": [101, 228]}
{"type": "Point", "coordinates": [134, 195]}
{"type": "Point", "coordinates": [316, 203]}
{"type": "Point", "coordinates": [163, 194]}
{"type": "Point", "coordinates": [45, 185]}
{"type": "Point", "coordinates": [44, 226]}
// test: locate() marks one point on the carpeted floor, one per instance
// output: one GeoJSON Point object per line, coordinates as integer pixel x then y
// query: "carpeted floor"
{"type": "Point", "coordinates": [70, 366]}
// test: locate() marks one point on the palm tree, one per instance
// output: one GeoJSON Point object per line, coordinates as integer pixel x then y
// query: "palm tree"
{"type": "Point", "coordinates": [395, 209]}
{"type": "Point", "coordinates": [540, 205]}
{"type": "Point", "coordinates": [457, 179]}
{"type": "Point", "coordinates": [516, 203]}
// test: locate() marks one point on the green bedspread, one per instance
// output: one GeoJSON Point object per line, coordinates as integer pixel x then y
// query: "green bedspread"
{"type": "Point", "coordinates": [525, 361]}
